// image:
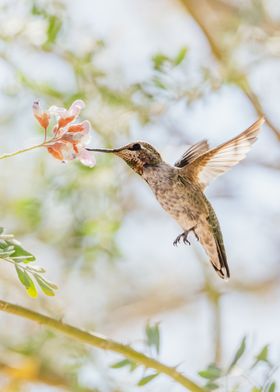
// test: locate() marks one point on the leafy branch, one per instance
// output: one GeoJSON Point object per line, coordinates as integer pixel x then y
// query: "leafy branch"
{"type": "Point", "coordinates": [215, 376]}
{"type": "Point", "coordinates": [103, 343]}
{"type": "Point", "coordinates": [12, 252]}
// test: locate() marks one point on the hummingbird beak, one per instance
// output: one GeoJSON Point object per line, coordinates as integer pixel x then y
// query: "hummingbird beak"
{"type": "Point", "coordinates": [112, 150]}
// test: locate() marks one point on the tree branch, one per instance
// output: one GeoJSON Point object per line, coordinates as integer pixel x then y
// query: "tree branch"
{"type": "Point", "coordinates": [220, 55]}
{"type": "Point", "coordinates": [101, 342]}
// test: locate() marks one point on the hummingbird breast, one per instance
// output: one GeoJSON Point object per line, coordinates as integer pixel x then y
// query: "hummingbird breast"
{"type": "Point", "coordinates": [182, 199]}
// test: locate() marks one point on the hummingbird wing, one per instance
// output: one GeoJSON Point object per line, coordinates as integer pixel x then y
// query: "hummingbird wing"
{"type": "Point", "coordinates": [192, 153]}
{"type": "Point", "coordinates": [216, 161]}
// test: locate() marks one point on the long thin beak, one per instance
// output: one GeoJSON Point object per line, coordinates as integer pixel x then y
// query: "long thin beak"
{"type": "Point", "coordinates": [113, 150]}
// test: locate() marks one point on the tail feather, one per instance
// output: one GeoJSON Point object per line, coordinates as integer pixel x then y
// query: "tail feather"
{"type": "Point", "coordinates": [223, 272]}
{"type": "Point", "coordinates": [211, 238]}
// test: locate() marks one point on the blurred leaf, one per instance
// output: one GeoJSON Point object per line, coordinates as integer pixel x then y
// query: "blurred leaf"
{"type": "Point", "coordinates": [272, 387]}
{"type": "Point", "coordinates": [159, 60]}
{"type": "Point", "coordinates": [147, 379]}
{"type": "Point", "coordinates": [158, 83]}
{"type": "Point", "coordinates": [211, 373]}
{"type": "Point", "coordinates": [262, 356]}
{"type": "Point", "coordinates": [211, 386]}
{"type": "Point", "coordinates": [238, 354]}
{"type": "Point", "coordinates": [153, 336]}
{"type": "Point", "coordinates": [123, 363]}
{"type": "Point", "coordinates": [180, 56]}
{"type": "Point", "coordinates": [44, 88]}
{"type": "Point", "coordinates": [120, 364]}
{"type": "Point", "coordinates": [30, 210]}
{"type": "Point", "coordinates": [54, 27]}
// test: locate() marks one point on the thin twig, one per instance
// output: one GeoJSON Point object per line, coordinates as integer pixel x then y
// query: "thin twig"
{"type": "Point", "coordinates": [219, 53]}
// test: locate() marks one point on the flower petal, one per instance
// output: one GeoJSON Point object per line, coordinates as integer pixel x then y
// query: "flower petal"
{"type": "Point", "coordinates": [86, 158]}
{"type": "Point", "coordinates": [55, 152]}
{"type": "Point", "coordinates": [76, 108]}
{"type": "Point", "coordinates": [81, 127]}
{"type": "Point", "coordinates": [42, 117]}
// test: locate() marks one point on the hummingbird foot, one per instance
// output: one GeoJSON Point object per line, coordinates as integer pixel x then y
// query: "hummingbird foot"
{"type": "Point", "coordinates": [184, 237]}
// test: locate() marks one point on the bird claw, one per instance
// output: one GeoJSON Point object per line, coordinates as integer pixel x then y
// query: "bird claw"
{"type": "Point", "coordinates": [183, 236]}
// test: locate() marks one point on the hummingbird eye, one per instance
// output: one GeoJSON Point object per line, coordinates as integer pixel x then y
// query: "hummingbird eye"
{"type": "Point", "coordinates": [135, 147]}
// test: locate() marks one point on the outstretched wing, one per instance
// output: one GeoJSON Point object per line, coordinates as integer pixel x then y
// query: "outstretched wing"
{"type": "Point", "coordinates": [192, 153]}
{"type": "Point", "coordinates": [212, 163]}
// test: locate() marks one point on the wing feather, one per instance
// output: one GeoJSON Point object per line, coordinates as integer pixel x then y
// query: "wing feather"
{"type": "Point", "coordinates": [192, 153]}
{"type": "Point", "coordinates": [212, 163]}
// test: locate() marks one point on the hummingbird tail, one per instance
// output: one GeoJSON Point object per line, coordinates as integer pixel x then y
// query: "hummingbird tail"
{"type": "Point", "coordinates": [223, 271]}
{"type": "Point", "coordinates": [211, 238]}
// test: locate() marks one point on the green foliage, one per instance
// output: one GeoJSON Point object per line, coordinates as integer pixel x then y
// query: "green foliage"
{"type": "Point", "coordinates": [153, 336]}
{"type": "Point", "coordinates": [29, 209]}
{"type": "Point", "coordinates": [145, 380]}
{"type": "Point", "coordinates": [54, 26]}
{"type": "Point", "coordinates": [125, 362]}
{"type": "Point", "coordinates": [272, 387]}
{"type": "Point", "coordinates": [262, 356]}
{"type": "Point", "coordinates": [238, 354]}
{"type": "Point", "coordinates": [152, 340]}
{"type": "Point", "coordinates": [211, 374]}
{"type": "Point", "coordinates": [160, 60]}
{"type": "Point", "coordinates": [216, 377]}
{"type": "Point", "coordinates": [11, 251]}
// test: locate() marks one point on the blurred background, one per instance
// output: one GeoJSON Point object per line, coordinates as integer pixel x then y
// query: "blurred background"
{"type": "Point", "coordinates": [169, 72]}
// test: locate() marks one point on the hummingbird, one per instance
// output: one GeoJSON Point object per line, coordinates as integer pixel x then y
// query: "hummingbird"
{"type": "Point", "coordinates": [180, 188]}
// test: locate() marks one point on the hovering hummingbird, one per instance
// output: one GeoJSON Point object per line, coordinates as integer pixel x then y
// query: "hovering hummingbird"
{"type": "Point", "coordinates": [179, 188]}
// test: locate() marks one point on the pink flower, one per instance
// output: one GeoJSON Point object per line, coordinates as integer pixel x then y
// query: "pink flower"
{"type": "Point", "coordinates": [67, 116]}
{"type": "Point", "coordinates": [69, 139]}
{"type": "Point", "coordinates": [42, 117]}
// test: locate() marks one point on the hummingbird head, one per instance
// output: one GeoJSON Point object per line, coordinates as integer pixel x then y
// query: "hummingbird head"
{"type": "Point", "coordinates": [137, 155]}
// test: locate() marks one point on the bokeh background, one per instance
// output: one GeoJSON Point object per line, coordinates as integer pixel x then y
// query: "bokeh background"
{"type": "Point", "coordinates": [169, 72]}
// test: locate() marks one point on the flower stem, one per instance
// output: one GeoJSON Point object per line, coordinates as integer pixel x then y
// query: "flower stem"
{"type": "Point", "coordinates": [12, 154]}
{"type": "Point", "coordinates": [103, 343]}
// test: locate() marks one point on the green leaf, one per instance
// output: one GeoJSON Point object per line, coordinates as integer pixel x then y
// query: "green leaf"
{"type": "Point", "coordinates": [54, 28]}
{"type": "Point", "coordinates": [44, 286]}
{"type": "Point", "coordinates": [158, 83]}
{"type": "Point", "coordinates": [272, 387]}
{"type": "Point", "coordinates": [120, 364]}
{"type": "Point", "coordinates": [211, 373]}
{"type": "Point", "coordinates": [180, 56]}
{"type": "Point", "coordinates": [211, 386]}
{"type": "Point", "coordinates": [21, 253]}
{"type": "Point", "coordinates": [27, 282]}
{"type": "Point", "coordinates": [238, 354]}
{"type": "Point", "coordinates": [123, 363]}
{"type": "Point", "coordinates": [147, 379]}
{"type": "Point", "coordinates": [23, 276]}
{"type": "Point", "coordinates": [262, 356]}
{"type": "Point", "coordinates": [153, 336]}
{"type": "Point", "coordinates": [1, 230]}
{"type": "Point", "coordinates": [159, 60]}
